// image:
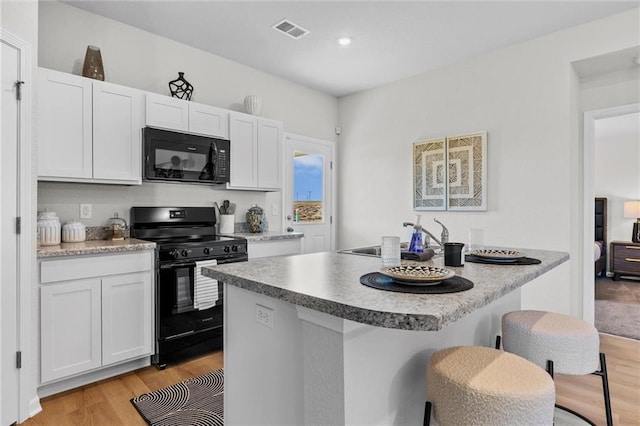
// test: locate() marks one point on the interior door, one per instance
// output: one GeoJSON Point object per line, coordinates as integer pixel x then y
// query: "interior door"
{"type": "Point", "coordinates": [8, 252]}
{"type": "Point", "coordinates": [308, 193]}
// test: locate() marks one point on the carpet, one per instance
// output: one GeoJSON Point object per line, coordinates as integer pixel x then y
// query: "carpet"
{"type": "Point", "coordinates": [620, 319]}
{"type": "Point", "coordinates": [196, 401]}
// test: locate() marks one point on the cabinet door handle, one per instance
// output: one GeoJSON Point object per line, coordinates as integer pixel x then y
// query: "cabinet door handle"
{"type": "Point", "coordinates": [633, 247]}
{"type": "Point", "coordinates": [629, 259]}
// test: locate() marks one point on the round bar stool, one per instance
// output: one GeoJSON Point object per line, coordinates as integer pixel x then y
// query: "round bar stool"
{"type": "Point", "coordinates": [561, 343]}
{"type": "Point", "coordinates": [474, 385]}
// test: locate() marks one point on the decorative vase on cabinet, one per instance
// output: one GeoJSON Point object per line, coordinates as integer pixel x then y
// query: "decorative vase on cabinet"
{"type": "Point", "coordinates": [253, 104]}
{"type": "Point", "coordinates": [92, 67]}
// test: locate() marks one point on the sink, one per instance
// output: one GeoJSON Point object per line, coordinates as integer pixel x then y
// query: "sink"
{"type": "Point", "coordinates": [374, 251]}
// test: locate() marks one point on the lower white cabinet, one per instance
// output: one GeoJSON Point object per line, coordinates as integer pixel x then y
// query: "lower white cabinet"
{"type": "Point", "coordinates": [270, 248]}
{"type": "Point", "coordinates": [95, 311]}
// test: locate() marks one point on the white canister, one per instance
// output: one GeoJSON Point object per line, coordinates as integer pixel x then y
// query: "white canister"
{"type": "Point", "coordinates": [74, 232]}
{"type": "Point", "coordinates": [227, 223]}
{"type": "Point", "coordinates": [48, 228]}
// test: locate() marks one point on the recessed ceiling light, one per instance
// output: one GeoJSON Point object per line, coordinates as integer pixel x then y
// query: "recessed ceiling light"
{"type": "Point", "coordinates": [344, 41]}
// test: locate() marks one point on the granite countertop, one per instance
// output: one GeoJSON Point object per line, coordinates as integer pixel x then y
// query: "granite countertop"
{"type": "Point", "coordinates": [266, 236]}
{"type": "Point", "coordinates": [330, 283]}
{"type": "Point", "coordinates": [94, 247]}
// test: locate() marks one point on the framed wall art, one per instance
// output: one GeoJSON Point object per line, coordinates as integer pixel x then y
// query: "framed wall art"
{"type": "Point", "coordinates": [430, 175]}
{"type": "Point", "coordinates": [461, 185]}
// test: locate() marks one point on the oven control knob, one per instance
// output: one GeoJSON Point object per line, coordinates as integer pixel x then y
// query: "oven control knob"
{"type": "Point", "coordinates": [206, 250]}
{"type": "Point", "coordinates": [184, 252]}
{"type": "Point", "coordinates": [174, 254]}
{"type": "Point", "coordinates": [227, 249]}
{"type": "Point", "coordinates": [234, 248]}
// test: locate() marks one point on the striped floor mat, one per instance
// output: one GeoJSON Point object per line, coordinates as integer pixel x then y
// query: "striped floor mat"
{"type": "Point", "coordinates": [197, 401]}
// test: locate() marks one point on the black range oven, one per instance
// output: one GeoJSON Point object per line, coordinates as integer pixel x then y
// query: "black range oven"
{"type": "Point", "coordinates": [188, 304]}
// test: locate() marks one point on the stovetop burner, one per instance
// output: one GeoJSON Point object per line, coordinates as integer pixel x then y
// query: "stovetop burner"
{"type": "Point", "coordinates": [185, 233]}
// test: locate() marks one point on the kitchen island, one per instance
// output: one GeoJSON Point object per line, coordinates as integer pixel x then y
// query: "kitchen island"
{"type": "Point", "coordinates": [306, 343]}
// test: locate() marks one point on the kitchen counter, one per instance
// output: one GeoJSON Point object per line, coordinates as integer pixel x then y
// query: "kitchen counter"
{"type": "Point", "coordinates": [266, 236]}
{"type": "Point", "coordinates": [330, 283]}
{"type": "Point", "coordinates": [341, 353]}
{"type": "Point", "coordinates": [94, 247]}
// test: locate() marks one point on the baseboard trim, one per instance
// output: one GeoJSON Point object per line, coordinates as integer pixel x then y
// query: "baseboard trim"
{"type": "Point", "coordinates": [91, 377]}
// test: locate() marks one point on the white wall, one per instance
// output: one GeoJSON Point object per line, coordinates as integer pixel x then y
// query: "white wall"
{"type": "Point", "coordinates": [139, 59]}
{"type": "Point", "coordinates": [617, 175]}
{"type": "Point", "coordinates": [524, 96]}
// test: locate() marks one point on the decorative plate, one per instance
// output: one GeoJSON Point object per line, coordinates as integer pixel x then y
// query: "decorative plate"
{"type": "Point", "coordinates": [495, 254]}
{"type": "Point", "coordinates": [417, 274]}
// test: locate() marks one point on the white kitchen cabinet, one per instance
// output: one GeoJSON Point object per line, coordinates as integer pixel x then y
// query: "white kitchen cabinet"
{"type": "Point", "coordinates": [89, 130]}
{"type": "Point", "coordinates": [65, 147]}
{"type": "Point", "coordinates": [70, 328]}
{"type": "Point", "coordinates": [126, 317]}
{"type": "Point", "coordinates": [256, 150]}
{"type": "Point", "coordinates": [95, 312]}
{"type": "Point", "coordinates": [175, 114]}
{"type": "Point", "coordinates": [270, 248]}
{"type": "Point", "coordinates": [208, 120]}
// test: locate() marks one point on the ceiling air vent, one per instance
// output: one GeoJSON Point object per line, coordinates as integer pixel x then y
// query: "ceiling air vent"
{"type": "Point", "coordinates": [291, 29]}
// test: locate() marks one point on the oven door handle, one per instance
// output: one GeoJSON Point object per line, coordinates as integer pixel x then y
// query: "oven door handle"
{"type": "Point", "coordinates": [178, 264]}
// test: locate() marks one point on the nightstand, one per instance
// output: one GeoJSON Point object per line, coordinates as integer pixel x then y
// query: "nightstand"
{"type": "Point", "coordinates": [625, 259]}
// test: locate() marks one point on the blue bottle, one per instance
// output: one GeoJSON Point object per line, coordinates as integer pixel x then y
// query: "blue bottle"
{"type": "Point", "coordinates": [416, 245]}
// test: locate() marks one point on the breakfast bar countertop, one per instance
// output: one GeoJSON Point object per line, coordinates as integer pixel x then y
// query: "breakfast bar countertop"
{"type": "Point", "coordinates": [94, 247]}
{"type": "Point", "coordinates": [329, 282]}
{"type": "Point", "coordinates": [266, 236]}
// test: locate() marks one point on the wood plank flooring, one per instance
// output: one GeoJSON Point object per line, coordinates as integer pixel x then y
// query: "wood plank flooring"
{"type": "Point", "coordinates": [107, 402]}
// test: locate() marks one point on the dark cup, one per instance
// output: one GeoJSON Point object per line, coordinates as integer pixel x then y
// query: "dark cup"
{"type": "Point", "coordinates": [453, 254]}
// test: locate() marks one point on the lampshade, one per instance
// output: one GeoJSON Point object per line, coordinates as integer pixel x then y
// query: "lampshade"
{"type": "Point", "coordinates": [632, 209]}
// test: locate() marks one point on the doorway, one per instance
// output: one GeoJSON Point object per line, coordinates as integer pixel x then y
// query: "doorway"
{"type": "Point", "coordinates": [590, 120]}
{"type": "Point", "coordinates": [309, 191]}
{"type": "Point", "coordinates": [16, 249]}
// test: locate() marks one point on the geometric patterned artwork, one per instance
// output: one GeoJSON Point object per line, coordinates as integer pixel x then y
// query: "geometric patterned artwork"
{"type": "Point", "coordinates": [429, 175]}
{"type": "Point", "coordinates": [450, 173]}
{"type": "Point", "coordinates": [467, 156]}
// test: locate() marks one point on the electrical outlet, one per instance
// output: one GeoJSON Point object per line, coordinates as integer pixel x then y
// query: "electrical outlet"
{"type": "Point", "coordinates": [85, 211]}
{"type": "Point", "coordinates": [264, 315]}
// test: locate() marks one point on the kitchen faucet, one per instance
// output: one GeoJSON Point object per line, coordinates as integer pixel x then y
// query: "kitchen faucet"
{"type": "Point", "coordinates": [419, 227]}
{"type": "Point", "coordinates": [444, 236]}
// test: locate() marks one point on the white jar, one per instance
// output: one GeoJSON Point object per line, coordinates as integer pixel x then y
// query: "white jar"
{"type": "Point", "coordinates": [74, 232]}
{"type": "Point", "coordinates": [48, 228]}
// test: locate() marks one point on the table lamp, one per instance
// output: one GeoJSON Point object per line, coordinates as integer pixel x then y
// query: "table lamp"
{"type": "Point", "coordinates": [632, 210]}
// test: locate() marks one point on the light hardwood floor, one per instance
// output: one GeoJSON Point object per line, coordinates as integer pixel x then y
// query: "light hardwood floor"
{"type": "Point", "coordinates": [107, 402]}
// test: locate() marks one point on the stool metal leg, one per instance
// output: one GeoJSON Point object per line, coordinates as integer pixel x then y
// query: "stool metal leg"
{"type": "Point", "coordinates": [427, 414]}
{"type": "Point", "coordinates": [550, 367]}
{"type": "Point", "coordinates": [605, 388]}
{"type": "Point", "coordinates": [498, 341]}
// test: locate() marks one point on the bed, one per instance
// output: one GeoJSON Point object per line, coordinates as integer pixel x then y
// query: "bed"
{"type": "Point", "coordinates": [600, 244]}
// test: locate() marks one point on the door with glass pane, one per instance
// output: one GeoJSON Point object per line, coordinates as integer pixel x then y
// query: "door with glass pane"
{"type": "Point", "coordinates": [308, 191]}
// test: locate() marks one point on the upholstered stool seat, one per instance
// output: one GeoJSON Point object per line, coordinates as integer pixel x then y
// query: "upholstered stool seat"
{"type": "Point", "coordinates": [572, 344]}
{"type": "Point", "coordinates": [557, 342]}
{"type": "Point", "coordinates": [473, 385]}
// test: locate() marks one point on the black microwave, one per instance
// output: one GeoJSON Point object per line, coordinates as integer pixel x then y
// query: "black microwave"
{"type": "Point", "coordinates": [182, 157]}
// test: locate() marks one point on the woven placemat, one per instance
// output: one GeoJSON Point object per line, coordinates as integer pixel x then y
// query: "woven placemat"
{"type": "Point", "coordinates": [383, 282]}
{"type": "Point", "coordinates": [521, 261]}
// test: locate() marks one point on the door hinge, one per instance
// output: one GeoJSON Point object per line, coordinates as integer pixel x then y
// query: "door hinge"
{"type": "Point", "coordinates": [19, 359]}
{"type": "Point", "coordinates": [19, 90]}
{"type": "Point", "coordinates": [331, 165]}
{"type": "Point", "coordinates": [18, 225]}
{"type": "Point", "coordinates": [330, 220]}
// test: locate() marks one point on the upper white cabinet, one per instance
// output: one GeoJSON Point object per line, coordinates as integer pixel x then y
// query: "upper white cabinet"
{"type": "Point", "coordinates": [256, 151]}
{"type": "Point", "coordinates": [89, 130]}
{"type": "Point", "coordinates": [184, 116]}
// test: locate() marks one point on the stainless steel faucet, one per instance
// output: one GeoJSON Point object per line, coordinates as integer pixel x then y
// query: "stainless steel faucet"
{"type": "Point", "coordinates": [419, 227]}
{"type": "Point", "coordinates": [444, 237]}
